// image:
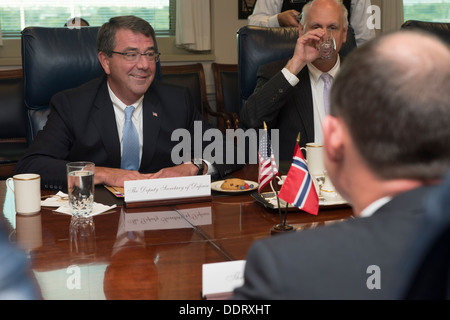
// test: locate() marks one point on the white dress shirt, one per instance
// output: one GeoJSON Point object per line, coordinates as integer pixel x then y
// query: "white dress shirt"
{"type": "Point", "coordinates": [374, 206]}
{"type": "Point", "coordinates": [119, 111]}
{"type": "Point", "coordinates": [317, 86]}
{"type": "Point", "coordinates": [266, 11]}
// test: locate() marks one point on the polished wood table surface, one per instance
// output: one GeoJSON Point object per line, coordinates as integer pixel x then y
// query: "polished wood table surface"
{"type": "Point", "coordinates": [146, 253]}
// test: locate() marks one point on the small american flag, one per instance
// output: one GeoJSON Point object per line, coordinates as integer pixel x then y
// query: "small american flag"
{"type": "Point", "coordinates": [298, 189]}
{"type": "Point", "coordinates": [267, 165]}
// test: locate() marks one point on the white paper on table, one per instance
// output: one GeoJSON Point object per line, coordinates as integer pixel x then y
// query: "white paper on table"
{"type": "Point", "coordinates": [62, 205]}
{"type": "Point", "coordinates": [97, 209]}
{"type": "Point", "coordinates": [222, 277]}
{"type": "Point", "coordinates": [56, 200]}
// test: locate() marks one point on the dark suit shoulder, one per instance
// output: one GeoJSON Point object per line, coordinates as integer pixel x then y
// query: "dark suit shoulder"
{"type": "Point", "coordinates": [331, 262]}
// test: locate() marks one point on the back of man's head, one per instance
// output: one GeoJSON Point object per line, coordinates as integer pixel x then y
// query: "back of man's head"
{"type": "Point", "coordinates": [394, 96]}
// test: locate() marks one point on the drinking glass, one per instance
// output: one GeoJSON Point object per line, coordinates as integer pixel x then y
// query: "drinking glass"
{"type": "Point", "coordinates": [327, 46]}
{"type": "Point", "coordinates": [80, 186]}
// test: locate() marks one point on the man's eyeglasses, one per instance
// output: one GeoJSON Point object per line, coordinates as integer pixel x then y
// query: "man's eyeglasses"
{"type": "Point", "coordinates": [132, 56]}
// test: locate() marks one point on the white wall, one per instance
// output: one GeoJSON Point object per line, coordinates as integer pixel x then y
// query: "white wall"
{"type": "Point", "coordinates": [225, 25]}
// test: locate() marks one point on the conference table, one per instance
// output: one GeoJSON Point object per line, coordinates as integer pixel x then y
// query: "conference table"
{"type": "Point", "coordinates": [149, 252]}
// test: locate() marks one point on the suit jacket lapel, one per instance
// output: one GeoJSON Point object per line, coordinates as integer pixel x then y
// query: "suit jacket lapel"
{"type": "Point", "coordinates": [304, 103]}
{"type": "Point", "coordinates": [105, 120]}
{"type": "Point", "coordinates": [152, 116]}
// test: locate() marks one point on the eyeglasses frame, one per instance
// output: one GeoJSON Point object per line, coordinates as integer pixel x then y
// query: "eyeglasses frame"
{"type": "Point", "coordinates": [155, 55]}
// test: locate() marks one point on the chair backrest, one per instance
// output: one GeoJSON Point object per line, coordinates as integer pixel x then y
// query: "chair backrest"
{"type": "Point", "coordinates": [259, 45]}
{"type": "Point", "coordinates": [227, 87]}
{"type": "Point", "coordinates": [191, 76]}
{"type": "Point", "coordinates": [55, 59]}
{"type": "Point", "coordinates": [440, 29]}
{"type": "Point", "coordinates": [13, 121]}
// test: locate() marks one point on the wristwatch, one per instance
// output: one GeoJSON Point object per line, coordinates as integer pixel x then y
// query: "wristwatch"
{"type": "Point", "coordinates": [200, 165]}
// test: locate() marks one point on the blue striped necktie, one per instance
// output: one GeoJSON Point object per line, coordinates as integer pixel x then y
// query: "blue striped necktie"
{"type": "Point", "coordinates": [130, 142]}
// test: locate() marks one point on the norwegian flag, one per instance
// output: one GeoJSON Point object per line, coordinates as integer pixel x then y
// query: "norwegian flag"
{"type": "Point", "coordinates": [298, 188]}
{"type": "Point", "coordinates": [267, 166]}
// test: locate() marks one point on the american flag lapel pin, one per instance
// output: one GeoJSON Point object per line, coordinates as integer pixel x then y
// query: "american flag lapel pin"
{"type": "Point", "coordinates": [155, 114]}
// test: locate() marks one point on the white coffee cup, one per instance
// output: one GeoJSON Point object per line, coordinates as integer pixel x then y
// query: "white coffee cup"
{"type": "Point", "coordinates": [314, 158]}
{"type": "Point", "coordinates": [328, 192]}
{"type": "Point", "coordinates": [27, 192]}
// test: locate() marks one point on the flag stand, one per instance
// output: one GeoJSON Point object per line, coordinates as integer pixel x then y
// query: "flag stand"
{"type": "Point", "coordinates": [302, 197]}
{"type": "Point", "coordinates": [265, 158]}
{"type": "Point", "coordinates": [282, 226]}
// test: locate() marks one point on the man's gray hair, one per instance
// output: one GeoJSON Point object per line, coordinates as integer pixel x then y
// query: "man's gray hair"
{"type": "Point", "coordinates": [307, 7]}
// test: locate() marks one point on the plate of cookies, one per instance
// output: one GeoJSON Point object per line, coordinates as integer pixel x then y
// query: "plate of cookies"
{"type": "Point", "coordinates": [234, 185]}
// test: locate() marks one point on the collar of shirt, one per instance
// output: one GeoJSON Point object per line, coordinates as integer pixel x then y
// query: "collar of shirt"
{"type": "Point", "coordinates": [118, 104]}
{"type": "Point", "coordinates": [374, 206]}
{"type": "Point", "coordinates": [119, 112]}
{"type": "Point", "coordinates": [315, 73]}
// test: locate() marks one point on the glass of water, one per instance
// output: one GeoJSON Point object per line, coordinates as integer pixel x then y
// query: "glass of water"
{"type": "Point", "coordinates": [80, 186]}
{"type": "Point", "coordinates": [327, 46]}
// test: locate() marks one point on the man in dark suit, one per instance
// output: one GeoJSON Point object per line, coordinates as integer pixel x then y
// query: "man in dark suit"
{"type": "Point", "coordinates": [86, 123]}
{"type": "Point", "coordinates": [289, 93]}
{"type": "Point", "coordinates": [386, 148]}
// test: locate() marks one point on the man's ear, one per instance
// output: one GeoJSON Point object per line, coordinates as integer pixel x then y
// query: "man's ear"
{"type": "Point", "coordinates": [334, 137]}
{"type": "Point", "coordinates": [344, 35]}
{"type": "Point", "coordinates": [300, 30]}
{"type": "Point", "coordinates": [104, 61]}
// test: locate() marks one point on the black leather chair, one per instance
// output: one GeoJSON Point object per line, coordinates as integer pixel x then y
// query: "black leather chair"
{"type": "Point", "coordinates": [258, 46]}
{"type": "Point", "coordinates": [55, 59]}
{"type": "Point", "coordinates": [13, 121]}
{"type": "Point", "coordinates": [227, 89]}
{"type": "Point", "coordinates": [440, 29]}
{"type": "Point", "coordinates": [192, 76]}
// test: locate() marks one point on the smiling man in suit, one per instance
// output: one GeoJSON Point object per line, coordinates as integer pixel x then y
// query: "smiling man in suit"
{"type": "Point", "coordinates": [289, 94]}
{"type": "Point", "coordinates": [87, 123]}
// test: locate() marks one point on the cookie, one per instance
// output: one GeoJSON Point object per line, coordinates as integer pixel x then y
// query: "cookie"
{"type": "Point", "coordinates": [236, 184]}
{"type": "Point", "coordinates": [233, 184]}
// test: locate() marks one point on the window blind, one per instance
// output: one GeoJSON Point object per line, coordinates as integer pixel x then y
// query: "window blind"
{"type": "Point", "coordinates": [18, 14]}
{"type": "Point", "coordinates": [427, 10]}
